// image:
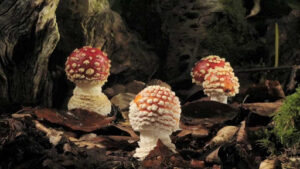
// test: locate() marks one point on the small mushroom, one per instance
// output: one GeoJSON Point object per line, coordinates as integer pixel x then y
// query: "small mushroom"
{"type": "Point", "coordinates": [155, 113]}
{"type": "Point", "coordinates": [202, 67]}
{"type": "Point", "coordinates": [88, 68]}
{"type": "Point", "coordinates": [219, 83]}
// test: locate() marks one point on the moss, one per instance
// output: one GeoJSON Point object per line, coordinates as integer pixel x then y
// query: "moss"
{"type": "Point", "coordinates": [268, 142]}
{"type": "Point", "coordinates": [287, 121]}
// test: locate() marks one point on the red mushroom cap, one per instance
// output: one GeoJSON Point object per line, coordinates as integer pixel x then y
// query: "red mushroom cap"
{"type": "Point", "coordinates": [87, 64]}
{"type": "Point", "coordinates": [221, 81]}
{"type": "Point", "coordinates": [202, 67]}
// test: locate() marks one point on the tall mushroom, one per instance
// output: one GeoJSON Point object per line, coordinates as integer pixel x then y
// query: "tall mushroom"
{"type": "Point", "coordinates": [155, 113]}
{"type": "Point", "coordinates": [88, 68]}
{"type": "Point", "coordinates": [219, 83]}
{"type": "Point", "coordinates": [202, 67]}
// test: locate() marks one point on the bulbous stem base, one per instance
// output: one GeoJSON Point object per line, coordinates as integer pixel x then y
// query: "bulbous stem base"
{"type": "Point", "coordinates": [90, 97]}
{"type": "Point", "coordinates": [148, 141]}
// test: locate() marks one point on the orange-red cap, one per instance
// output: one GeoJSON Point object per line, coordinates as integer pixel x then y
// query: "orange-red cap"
{"type": "Point", "coordinates": [87, 64]}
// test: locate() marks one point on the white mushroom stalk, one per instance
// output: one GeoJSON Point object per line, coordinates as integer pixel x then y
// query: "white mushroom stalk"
{"type": "Point", "coordinates": [90, 97]}
{"type": "Point", "coordinates": [219, 98]}
{"type": "Point", "coordinates": [155, 113]}
{"type": "Point", "coordinates": [148, 141]}
{"type": "Point", "coordinates": [88, 68]}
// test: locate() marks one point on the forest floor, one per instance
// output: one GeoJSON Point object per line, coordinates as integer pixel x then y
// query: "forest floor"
{"type": "Point", "coordinates": [212, 135]}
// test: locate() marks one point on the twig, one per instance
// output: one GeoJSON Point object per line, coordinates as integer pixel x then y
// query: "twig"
{"type": "Point", "coordinates": [292, 83]}
{"type": "Point", "coordinates": [267, 69]}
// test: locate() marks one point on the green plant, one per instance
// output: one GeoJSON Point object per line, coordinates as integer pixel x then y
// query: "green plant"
{"type": "Point", "coordinates": [276, 45]}
{"type": "Point", "coordinates": [266, 141]}
{"type": "Point", "coordinates": [287, 121]}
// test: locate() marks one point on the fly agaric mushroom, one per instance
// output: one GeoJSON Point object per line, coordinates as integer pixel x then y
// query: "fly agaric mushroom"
{"type": "Point", "coordinates": [220, 83]}
{"type": "Point", "coordinates": [155, 113]}
{"type": "Point", "coordinates": [202, 67]}
{"type": "Point", "coordinates": [88, 68]}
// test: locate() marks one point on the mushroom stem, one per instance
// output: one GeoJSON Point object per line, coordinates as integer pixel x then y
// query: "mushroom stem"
{"type": "Point", "coordinates": [87, 89]}
{"type": "Point", "coordinates": [90, 97]}
{"type": "Point", "coordinates": [148, 141]}
{"type": "Point", "coordinates": [219, 98]}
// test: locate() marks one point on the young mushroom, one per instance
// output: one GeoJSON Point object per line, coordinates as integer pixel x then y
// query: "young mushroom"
{"type": "Point", "coordinates": [202, 67]}
{"type": "Point", "coordinates": [219, 83]}
{"type": "Point", "coordinates": [155, 113]}
{"type": "Point", "coordinates": [88, 68]}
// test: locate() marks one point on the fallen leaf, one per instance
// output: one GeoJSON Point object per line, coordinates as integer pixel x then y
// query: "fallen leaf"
{"type": "Point", "coordinates": [161, 157]}
{"type": "Point", "coordinates": [255, 10]}
{"type": "Point", "coordinates": [268, 91]}
{"type": "Point", "coordinates": [87, 144]}
{"type": "Point", "coordinates": [127, 129]}
{"type": "Point", "coordinates": [194, 130]}
{"type": "Point", "coordinates": [157, 156]}
{"type": "Point", "coordinates": [224, 135]}
{"type": "Point", "coordinates": [213, 157]}
{"type": "Point", "coordinates": [114, 90]}
{"type": "Point", "coordinates": [122, 100]}
{"type": "Point", "coordinates": [206, 113]}
{"type": "Point", "coordinates": [268, 164]}
{"type": "Point", "coordinates": [263, 109]}
{"type": "Point", "coordinates": [216, 166]}
{"type": "Point", "coordinates": [242, 134]}
{"type": "Point", "coordinates": [54, 135]}
{"type": "Point", "coordinates": [18, 116]}
{"type": "Point", "coordinates": [183, 133]}
{"type": "Point", "coordinates": [197, 164]}
{"type": "Point", "coordinates": [159, 83]}
{"type": "Point", "coordinates": [195, 92]}
{"type": "Point", "coordinates": [77, 119]}
{"type": "Point", "coordinates": [135, 86]}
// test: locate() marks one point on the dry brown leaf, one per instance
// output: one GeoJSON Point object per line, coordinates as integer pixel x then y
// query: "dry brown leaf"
{"type": "Point", "coordinates": [18, 116]}
{"type": "Point", "coordinates": [213, 157]}
{"type": "Point", "coordinates": [122, 100]}
{"type": "Point", "coordinates": [82, 120]}
{"type": "Point", "coordinates": [216, 166]}
{"type": "Point", "coordinates": [268, 164]}
{"type": "Point", "coordinates": [86, 143]}
{"type": "Point", "coordinates": [128, 130]}
{"type": "Point", "coordinates": [157, 156]}
{"type": "Point", "coordinates": [183, 133]}
{"type": "Point", "coordinates": [114, 90]}
{"type": "Point", "coordinates": [263, 109]}
{"type": "Point", "coordinates": [161, 157]}
{"type": "Point", "coordinates": [53, 135]}
{"type": "Point", "coordinates": [269, 90]}
{"type": "Point", "coordinates": [242, 133]}
{"type": "Point", "coordinates": [187, 94]}
{"type": "Point", "coordinates": [159, 83]}
{"type": "Point", "coordinates": [135, 86]}
{"type": "Point", "coordinates": [224, 135]}
{"type": "Point", "coordinates": [255, 10]}
{"type": "Point", "coordinates": [206, 113]}
{"type": "Point", "coordinates": [197, 164]}
{"type": "Point", "coordinates": [196, 131]}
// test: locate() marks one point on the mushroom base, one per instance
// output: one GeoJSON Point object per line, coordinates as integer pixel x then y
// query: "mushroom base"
{"type": "Point", "coordinates": [219, 98]}
{"type": "Point", "coordinates": [148, 141]}
{"type": "Point", "coordinates": [90, 97]}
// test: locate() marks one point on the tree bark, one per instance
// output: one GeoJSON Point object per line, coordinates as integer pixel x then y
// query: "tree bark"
{"type": "Point", "coordinates": [28, 36]}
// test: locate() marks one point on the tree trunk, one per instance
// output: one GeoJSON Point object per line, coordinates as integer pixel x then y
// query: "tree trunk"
{"type": "Point", "coordinates": [28, 36]}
